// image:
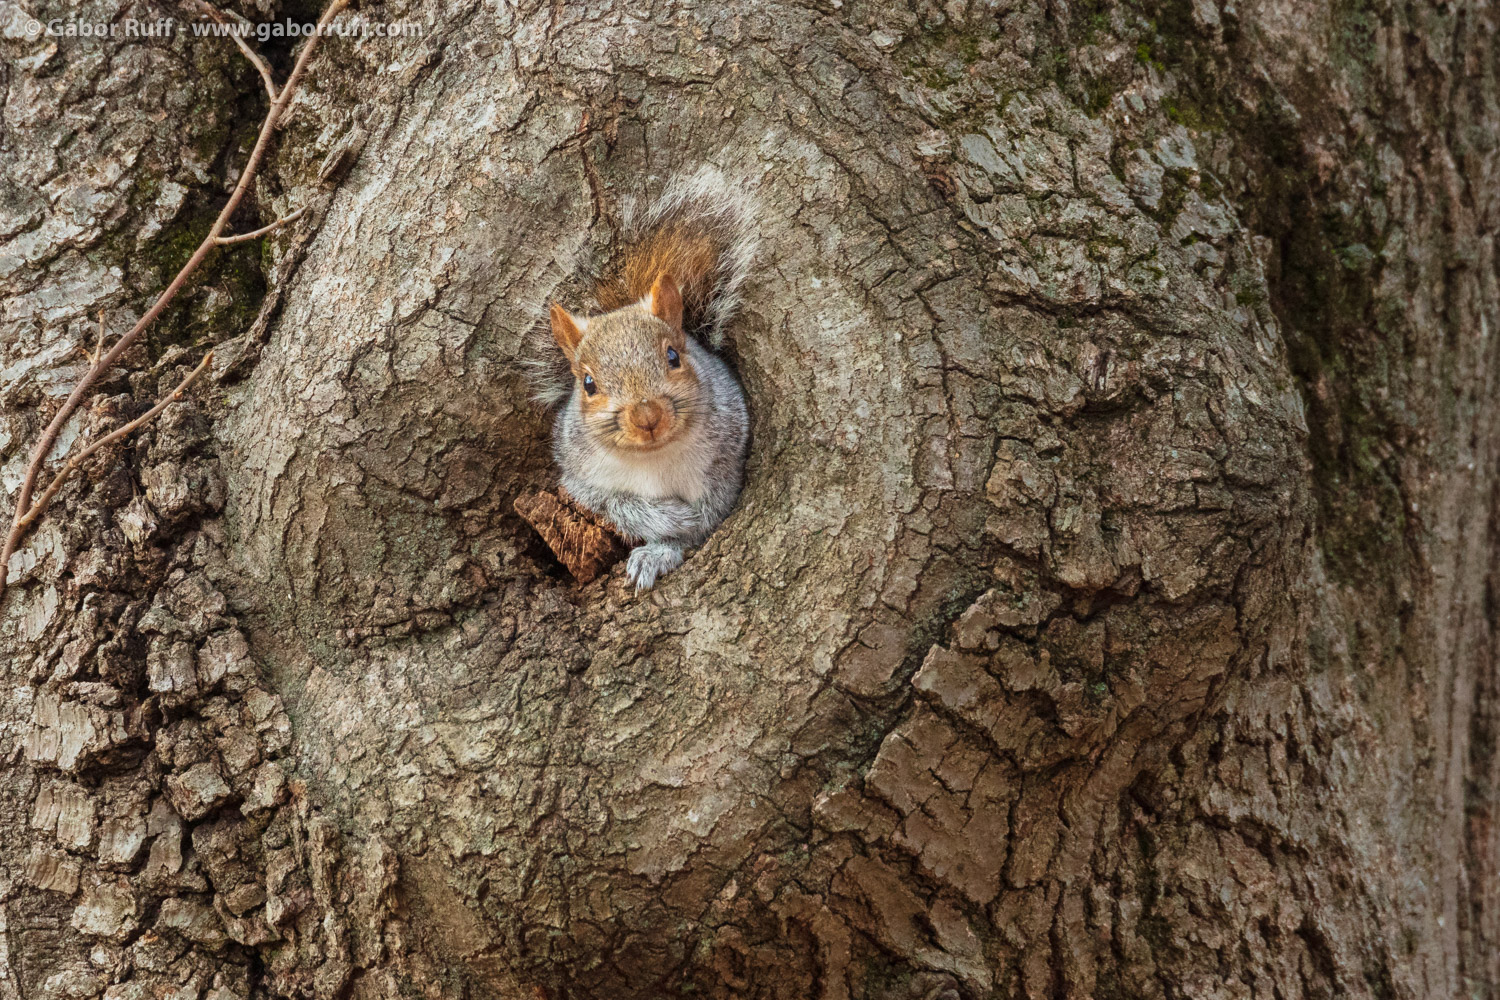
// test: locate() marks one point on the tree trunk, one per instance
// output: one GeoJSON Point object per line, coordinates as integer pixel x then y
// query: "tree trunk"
{"type": "Point", "coordinates": [1110, 610]}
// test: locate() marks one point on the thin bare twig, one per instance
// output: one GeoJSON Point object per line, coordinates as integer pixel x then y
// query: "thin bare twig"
{"type": "Point", "coordinates": [255, 60]}
{"type": "Point", "coordinates": [99, 345]}
{"type": "Point", "coordinates": [263, 230]}
{"type": "Point", "coordinates": [40, 507]}
{"type": "Point", "coordinates": [259, 64]}
{"type": "Point", "coordinates": [98, 350]}
{"type": "Point", "coordinates": [20, 522]}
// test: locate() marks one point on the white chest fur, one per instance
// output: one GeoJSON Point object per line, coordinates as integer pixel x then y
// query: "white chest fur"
{"type": "Point", "coordinates": [678, 470]}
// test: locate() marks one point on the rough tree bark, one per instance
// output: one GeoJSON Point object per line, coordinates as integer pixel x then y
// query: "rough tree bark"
{"type": "Point", "coordinates": [1110, 611]}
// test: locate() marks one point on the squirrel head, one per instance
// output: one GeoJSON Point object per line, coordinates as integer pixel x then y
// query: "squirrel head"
{"type": "Point", "coordinates": [636, 387]}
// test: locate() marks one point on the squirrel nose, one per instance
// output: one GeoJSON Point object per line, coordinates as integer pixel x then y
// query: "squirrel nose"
{"type": "Point", "coordinates": [646, 415]}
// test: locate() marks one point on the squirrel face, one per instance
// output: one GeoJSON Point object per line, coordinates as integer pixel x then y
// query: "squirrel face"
{"type": "Point", "coordinates": [637, 390]}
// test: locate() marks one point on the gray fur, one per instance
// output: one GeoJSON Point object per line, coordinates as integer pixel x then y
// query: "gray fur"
{"type": "Point", "coordinates": [706, 464]}
{"type": "Point", "coordinates": [662, 527]}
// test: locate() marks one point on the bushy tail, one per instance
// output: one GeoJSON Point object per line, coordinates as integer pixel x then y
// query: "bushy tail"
{"type": "Point", "coordinates": [702, 231]}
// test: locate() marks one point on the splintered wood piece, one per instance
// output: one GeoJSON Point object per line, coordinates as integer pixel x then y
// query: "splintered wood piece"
{"type": "Point", "coordinates": [582, 541]}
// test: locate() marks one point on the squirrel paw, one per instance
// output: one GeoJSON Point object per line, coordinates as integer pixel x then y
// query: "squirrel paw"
{"type": "Point", "coordinates": [648, 562]}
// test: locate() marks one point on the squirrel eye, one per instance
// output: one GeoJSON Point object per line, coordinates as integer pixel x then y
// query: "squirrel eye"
{"type": "Point", "coordinates": [673, 361]}
{"type": "Point", "coordinates": [589, 386]}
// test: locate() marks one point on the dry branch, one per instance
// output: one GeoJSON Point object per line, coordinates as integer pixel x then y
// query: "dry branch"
{"type": "Point", "coordinates": [263, 230]}
{"type": "Point", "coordinates": [98, 344]}
{"type": "Point", "coordinates": [260, 65]}
{"type": "Point", "coordinates": [40, 507]}
{"type": "Point", "coordinates": [26, 512]}
{"type": "Point", "coordinates": [235, 20]}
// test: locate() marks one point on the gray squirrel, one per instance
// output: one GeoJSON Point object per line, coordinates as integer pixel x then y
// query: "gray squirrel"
{"type": "Point", "coordinates": [651, 429]}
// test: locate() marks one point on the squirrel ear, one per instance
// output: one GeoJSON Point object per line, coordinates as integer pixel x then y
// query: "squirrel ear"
{"type": "Point", "coordinates": [565, 330]}
{"type": "Point", "coordinates": [666, 302]}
